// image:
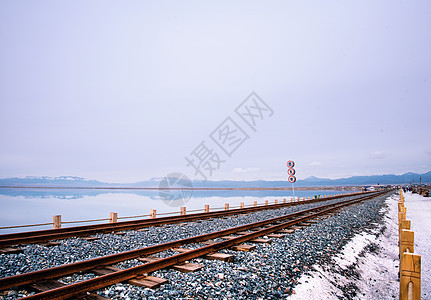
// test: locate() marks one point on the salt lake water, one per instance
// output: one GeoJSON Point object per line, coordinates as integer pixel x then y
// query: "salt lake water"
{"type": "Point", "coordinates": [31, 206]}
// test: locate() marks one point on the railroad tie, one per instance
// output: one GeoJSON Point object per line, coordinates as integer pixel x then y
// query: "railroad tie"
{"type": "Point", "coordinates": [304, 224]}
{"type": "Point", "coordinates": [10, 250]}
{"type": "Point", "coordinates": [119, 232]}
{"type": "Point", "coordinates": [188, 267]}
{"type": "Point", "coordinates": [151, 282]}
{"type": "Point", "coordinates": [295, 227]}
{"type": "Point", "coordinates": [286, 231]}
{"type": "Point", "coordinates": [90, 238]}
{"type": "Point", "coordinates": [259, 228]}
{"type": "Point", "coordinates": [261, 240]}
{"type": "Point", "coordinates": [276, 235]}
{"type": "Point", "coordinates": [228, 237]}
{"type": "Point", "coordinates": [147, 281]}
{"type": "Point", "coordinates": [148, 258]}
{"type": "Point", "coordinates": [220, 256]}
{"type": "Point", "coordinates": [182, 250]}
{"type": "Point", "coordinates": [105, 270]}
{"type": "Point", "coordinates": [212, 256]}
{"type": "Point", "coordinates": [47, 285]}
{"type": "Point", "coordinates": [245, 232]}
{"type": "Point", "coordinates": [243, 247]}
{"type": "Point", "coordinates": [209, 243]}
{"type": "Point", "coordinates": [50, 244]}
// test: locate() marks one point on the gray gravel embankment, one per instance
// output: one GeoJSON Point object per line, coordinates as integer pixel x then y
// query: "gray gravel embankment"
{"type": "Point", "coordinates": [268, 272]}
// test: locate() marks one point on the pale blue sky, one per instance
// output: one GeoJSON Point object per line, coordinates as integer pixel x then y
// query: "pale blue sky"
{"type": "Point", "coordinates": [125, 90]}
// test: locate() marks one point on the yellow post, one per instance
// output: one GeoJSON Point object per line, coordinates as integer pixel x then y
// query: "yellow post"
{"type": "Point", "coordinates": [291, 199]}
{"type": "Point", "coordinates": [241, 205]}
{"type": "Point", "coordinates": [226, 206]}
{"type": "Point", "coordinates": [404, 224]}
{"type": "Point", "coordinates": [113, 217]}
{"type": "Point", "coordinates": [183, 211]}
{"type": "Point", "coordinates": [407, 242]}
{"type": "Point", "coordinates": [276, 201]}
{"type": "Point", "coordinates": [401, 216]}
{"type": "Point", "coordinates": [284, 201]}
{"type": "Point", "coordinates": [152, 213]}
{"type": "Point", "coordinates": [207, 208]}
{"type": "Point", "coordinates": [410, 277]}
{"type": "Point", "coordinates": [254, 203]}
{"type": "Point", "coordinates": [56, 222]}
{"type": "Point", "coordinates": [266, 202]}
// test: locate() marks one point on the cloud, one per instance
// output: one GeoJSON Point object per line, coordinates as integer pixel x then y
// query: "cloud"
{"type": "Point", "coordinates": [379, 155]}
{"type": "Point", "coordinates": [245, 170]}
{"type": "Point", "coordinates": [314, 163]}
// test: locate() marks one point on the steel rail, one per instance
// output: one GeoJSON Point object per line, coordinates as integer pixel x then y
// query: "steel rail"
{"type": "Point", "coordinates": [77, 289]}
{"type": "Point", "coordinates": [61, 233]}
{"type": "Point", "coordinates": [59, 271]}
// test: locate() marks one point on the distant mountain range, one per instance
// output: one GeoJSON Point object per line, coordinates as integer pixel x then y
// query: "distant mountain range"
{"type": "Point", "coordinates": [70, 181]}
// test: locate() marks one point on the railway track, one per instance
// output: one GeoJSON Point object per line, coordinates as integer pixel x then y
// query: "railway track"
{"type": "Point", "coordinates": [40, 236]}
{"type": "Point", "coordinates": [137, 274]}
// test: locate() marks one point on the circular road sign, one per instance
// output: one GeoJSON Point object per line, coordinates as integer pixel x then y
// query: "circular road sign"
{"type": "Point", "coordinates": [291, 171]}
{"type": "Point", "coordinates": [291, 179]}
{"type": "Point", "coordinates": [290, 164]}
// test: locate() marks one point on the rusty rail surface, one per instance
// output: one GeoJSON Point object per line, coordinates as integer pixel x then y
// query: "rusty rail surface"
{"type": "Point", "coordinates": [77, 289]}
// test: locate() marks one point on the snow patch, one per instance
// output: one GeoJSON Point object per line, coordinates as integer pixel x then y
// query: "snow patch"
{"type": "Point", "coordinates": [418, 210]}
{"type": "Point", "coordinates": [350, 252]}
{"type": "Point", "coordinates": [373, 256]}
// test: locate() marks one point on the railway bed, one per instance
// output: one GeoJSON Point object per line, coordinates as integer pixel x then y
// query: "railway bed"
{"type": "Point", "coordinates": [236, 236]}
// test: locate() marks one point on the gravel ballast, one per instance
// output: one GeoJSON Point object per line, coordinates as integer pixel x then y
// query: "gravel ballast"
{"type": "Point", "coordinates": [271, 271]}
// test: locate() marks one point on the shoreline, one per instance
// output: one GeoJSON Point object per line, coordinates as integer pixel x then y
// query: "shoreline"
{"type": "Point", "coordinates": [193, 188]}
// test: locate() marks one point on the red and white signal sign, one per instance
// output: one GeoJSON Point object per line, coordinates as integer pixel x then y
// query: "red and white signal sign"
{"type": "Point", "coordinates": [291, 171]}
{"type": "Point", "coordinates": [290, 164]}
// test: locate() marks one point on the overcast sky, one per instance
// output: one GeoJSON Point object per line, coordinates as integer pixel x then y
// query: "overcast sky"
{"type": "Point", "coordinates": [124, 91]}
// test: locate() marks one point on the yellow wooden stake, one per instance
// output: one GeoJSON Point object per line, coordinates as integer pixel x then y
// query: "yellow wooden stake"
{"type": "Point", "coordinates": [401, 216]}
{"type": "Point", "coordinates": [56, 222]}
{"type": "Point", "coordinates": [113, 217]}
{"type": "Point", "coordinates": [407, 243]}
{"type": "Point", "coordinates": [404, 224]}
{"type": "Point", "coordinates": [410, 277]}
